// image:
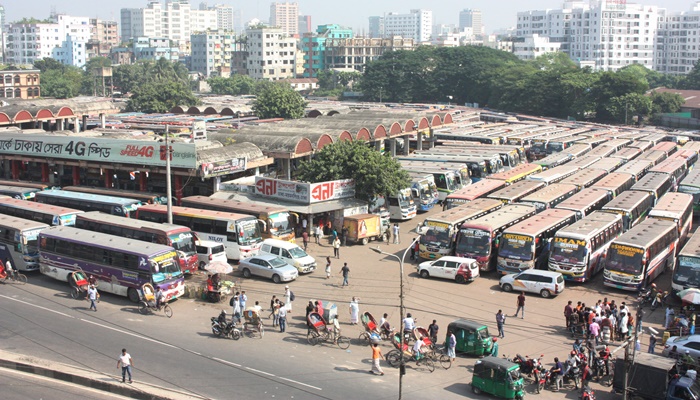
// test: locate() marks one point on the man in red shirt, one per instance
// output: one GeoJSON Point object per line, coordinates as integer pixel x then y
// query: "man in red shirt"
{"type": "Point", "coordinates": [521, 305]}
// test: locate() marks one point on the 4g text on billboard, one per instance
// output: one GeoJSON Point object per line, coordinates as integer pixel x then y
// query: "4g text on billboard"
{"type": "Point", "coordinates": [302, 192]}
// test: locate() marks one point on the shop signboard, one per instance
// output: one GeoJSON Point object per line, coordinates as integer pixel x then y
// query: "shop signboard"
{"type": "Point", "coordinates": [307, 193]}
{"type": "Point", "coordinates": [225, 167]}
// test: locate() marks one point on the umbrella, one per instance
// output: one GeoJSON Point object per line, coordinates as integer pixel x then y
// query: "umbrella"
{"type": "Point", "coordinates": [691, 295]}
{"type": "Point", "coordinates": [219, 267]}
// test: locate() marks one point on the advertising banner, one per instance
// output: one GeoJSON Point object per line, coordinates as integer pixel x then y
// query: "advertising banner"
{"type": "Point", "coordinates": [307, 193]}
{"type": "Point", "coordinates": [223, 167]}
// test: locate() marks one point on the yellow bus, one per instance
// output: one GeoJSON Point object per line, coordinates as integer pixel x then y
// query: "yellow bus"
{"type": "Point", "coordinates": [518, 173]}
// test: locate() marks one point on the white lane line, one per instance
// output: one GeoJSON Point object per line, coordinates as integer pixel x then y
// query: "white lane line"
{"type": "Point", "coordinates": [129, 333]}
{"type": "Point", "coordinates": [299, 383]}
{"type": "Point", "coordinates": [226, 362]}
{"type": "Point", "coordinates": [34, 305]}
{"type": "Point", "coordinates": [260, 372]}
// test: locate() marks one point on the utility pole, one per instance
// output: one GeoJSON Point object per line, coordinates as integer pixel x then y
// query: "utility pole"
{"type": "Point", "coordinates": [168, 181]}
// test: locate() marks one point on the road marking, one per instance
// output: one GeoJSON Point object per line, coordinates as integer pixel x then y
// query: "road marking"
{"type": "Point", "coordinates": [129, 333]}
{"type": "Point", "coordinates": [299, 383]}
{"type": "Point", "coordinates": [34, 305]}
{"type": "Point", "coordinates": [260, 372]}
{"type": "Point", "coordinates": [226, 362]}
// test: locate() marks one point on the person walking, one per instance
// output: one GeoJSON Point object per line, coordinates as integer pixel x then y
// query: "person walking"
{"type": "Point", "coordinates": [236, 314]}
{"type": "Point", "coordinates": [304, 224]}
{"type": "Point", "coordinates": [344, 235]}
{"type": "Point", "coordinates": [336, 247]}
{"type": "Point", "coordinates": [126, 362]}
{"type": "Point", "coordinates": [376, 356]}
{"type": "Point", "coordinates": [416, 250]}
{"type": "Point", "coordinates": [494, 347]}
{"type": "Point", "coordinates": [276, 313]}
{"type": "Point", "coordinates": [328, 267]}
{"type": "Point", "coordinates": [500, 321]}
{"type": "Point", "coordinates": [396, 234]}
{"type": "Point", "coordinates": [558, 372]}
{"type": "Point", "coordinates": [451, 345]}
{"type": "Point", "coordinates": [354, 310]}
{"type": "Point", "coordinates": [282, 315]}
{"type": "Point", "coordinates": [521, 305]}
{"type": "Point", "coordinates": [305, 239]}
{"type": "Point", "coordinates": [568, 310]}
{"type": "Point", "coordinates": [345, 271]}
{"type": "Point", "coordinates": [433, 331]}
{"type": "Point", "coordinates": [670, 315]}
{"type": "Point", "coordinates": [92, 295]}
{"type": "Point", "coordinates": [652, 344]}
{"type": "Point", "coordinates": [288, 298]}
{"type": "Point", "coordinates": [319, 234]}
{"type": "Point", "coordinates": [243, 299]}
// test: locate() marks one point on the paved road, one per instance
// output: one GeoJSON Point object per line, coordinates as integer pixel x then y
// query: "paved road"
{"type": "Point", "coordinates": [41, 320]}
{"type": "Point", "coordinates": [16, 385]}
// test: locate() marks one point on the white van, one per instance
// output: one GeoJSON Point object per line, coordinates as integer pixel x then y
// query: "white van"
{"type": "Point", "coordinates": [545, 283]}
{"type": "Point", "coordinates": [291, 253]}
{"type": "Point", "coordinates": [208, 251]}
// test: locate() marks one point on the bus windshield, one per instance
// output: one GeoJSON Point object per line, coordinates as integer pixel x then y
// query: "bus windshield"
{"type": "Point", "coordinates": [281, 223]}
{"type": "Point", "coordinates": [687, 272]}
{"type": "Point", "coordinates": [32, 245]}
{"type": "Point", "coordinates": [516, 247]}
{"type": "Point", "coordinates": [475, 242]}
{"type": "Point", "coordinates": [556, 146]}
{"type": "Point", "coordinates": [435, 237]}
{"type": "Point", "coordinates": [164, 267]}
{"type": "Point", "coordinates": [624, 259]}
{"type": "Point", "coordinates": [570, 253]}
{"type": "Point", "coordinates": [249, 232]}
{"type": "Point", "coordinates": [183, 242]}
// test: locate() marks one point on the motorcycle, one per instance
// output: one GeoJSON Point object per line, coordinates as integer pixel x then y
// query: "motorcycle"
{"type": "Point", "coordinates": [659, 299]}
{"type": "Point", "coordinates": [587, 394]}
{"type": "Point", "coordinates": [573, 374]}
{"type": "Point", "coordinates": [645, 296]}
{"type": "Point", "coordinates": [527, 365]}
{"type": "Point", "coordinates": [224, 329]}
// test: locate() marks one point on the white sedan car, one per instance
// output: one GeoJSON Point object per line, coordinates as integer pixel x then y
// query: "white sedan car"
{"type": "Point", "coordinates": [459, 269]}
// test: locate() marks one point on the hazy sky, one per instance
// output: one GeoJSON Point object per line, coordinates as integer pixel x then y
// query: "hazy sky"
{"type": "Point", "coordinates": [352, 13]}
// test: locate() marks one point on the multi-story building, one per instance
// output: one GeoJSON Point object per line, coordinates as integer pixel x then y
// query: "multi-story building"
{"type": "Point", "coordinates": [103, 36]}
{"type": "Point", "coordinates": [145, 48]}
{"type": "Point", "coordinates": [611, 34]}
{"type": "Point", "coordinates": [678, 41]}
{"type": "Point", "coordinates": [286, 17]}
{"type": "Point", "coordinates": [211, 51]}
{"type": "Point", "coordinates": [225, 16]}
{"type": "Point", "coordinates": [376, 27]}
{"type": "Point", "coordinates": [355, 53]}
{"type": "Point", "coordinates": [20, 84]}
{"type": "Point", "coordinates": [314, 47]}
{"type": "Point", "coordinates": [27, 43]}
{"type": "Point", "coordinates": [305, 25]}
{"type": "Point", "coordinates": [469, 18]}
{"type": "Point", "coordinates": [417, 25]}
{"type": "Point", "coordinates": [534, 46]}
{"type": "Point", "coordinates": [268, 54]}
{"type": "Point", "coordinates": [2, 33]}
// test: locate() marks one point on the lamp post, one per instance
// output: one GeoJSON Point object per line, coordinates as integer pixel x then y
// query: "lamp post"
{"type": "Point", "coordinates": [402, 311]}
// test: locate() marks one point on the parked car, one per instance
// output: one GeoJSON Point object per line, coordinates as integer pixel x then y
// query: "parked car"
{"type": "Point", "coordinates": [268, 266]}
{"type": "Point", "coordinates": [690, 343]}
{"type": "Point", "coordinates": [209, 251]}
{"type": "Point", "coordinates": [459, 269]}
{"type": "Point", "coordinates": [290, 253]}
{"type": "Point", "coordinates": [546, 283]}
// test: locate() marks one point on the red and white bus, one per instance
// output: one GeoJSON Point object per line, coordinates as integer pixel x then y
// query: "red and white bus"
{"type": "Point", "coordinates": [472, 192]}
{"type": "Point", "coordinates": [677, 208]}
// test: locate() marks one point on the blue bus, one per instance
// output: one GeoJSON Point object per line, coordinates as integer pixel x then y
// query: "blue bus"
{"type": "Point", "coordinates": [120, 265]}
{"type": "Point", "coordinates": [122, 206]}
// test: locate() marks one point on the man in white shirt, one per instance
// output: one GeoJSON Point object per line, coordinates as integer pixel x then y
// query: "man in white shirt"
{"type": "Point", "coordinates": [126, 362]}
{"type": "Point", "coordinates": [417, 348]}
{"type": "Point", "coordinates": [408, 323]}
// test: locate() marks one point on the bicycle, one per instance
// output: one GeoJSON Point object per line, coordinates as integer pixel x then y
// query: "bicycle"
{"type": "Point", "coordinates": [438, 354]}
{"type": "Point", "coordinates": [315, 337]}
{"type": "Point", "coordinates": [16, 277]}
{"type": "Point", "coordinates": [146, 306]}
{"type": "Point", "coordinates": [394, 359]}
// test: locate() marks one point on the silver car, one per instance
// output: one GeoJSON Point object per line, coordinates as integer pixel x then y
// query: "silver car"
{"type": "Point", "coordinates": [268, 266]}
{"type": "Point", "coordinates": [690, 343]}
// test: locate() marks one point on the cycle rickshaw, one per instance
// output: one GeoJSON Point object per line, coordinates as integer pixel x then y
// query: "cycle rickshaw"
{"type": "Point", "coordinates": [252, 323]}
{"type": "Point", "coordinates": [320, 331]}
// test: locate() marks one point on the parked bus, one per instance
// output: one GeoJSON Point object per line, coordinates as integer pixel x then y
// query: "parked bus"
{"type": "Point", "coordinates": [642, 145]}
{"type": "Point", "coordinates": [637, 168]}
{"type": "Point", "coordinates": [525, 245]}
{"type": "Point", "coordinates": [618, 144]}
{"type": "Point", "coordinates": [627, 153]}
{"type": "Point", "coordinates": [44, 213]}
{"type": "Point", "coordinates": [585, 177]}
{"type": "Point", "coordinates": [26, 184]}
{"type": "Point", "coordinates": [655, 184]}
{"type": "Point", "coordinates": [601, 151]}
{"type": "Point", "coordinates": [615, 183]}
{"type": "Point", "coordinates": [89, 202]}
{"type": "Point", "coordinates": [586, 201]}
{"type": "Point", "coordinates": [179, 238]}
{"type": "Point", "coordinates": [686, 275]}
{"type": "Point", "coordinates": [690, 157]}
{"type": "Point", "coordinates": [477, 167]}
{"type": "Point", "coordinates": [440, 230]}
{"type": "Point", "coordinates": [578, 250]}
{"type": "Point", "coordinates": [675, 168]}
{"type": "Point", "coordinates": [277, 221]}
{"type": "Point", "coordinates": [667, 147]}
{"type": "Point", "coordinates": [120, 265]}
{"type": "Point", "coordinates": [550, 196]}
{"type": "Point", "coordinates": [554, 175]}
{"type": "Point", "coordinates": [655, 156]}
{"type": "Point", "coordinates": [691, 185]}
{"type": "Point", "coordinates": [542, 146]}
{"type": "Point", "coordinates": [424, 191]}
{"type": "Point", "coordinates": [585, 161]}
{"type": "Point", "coordinates": [401, 205]}
{"type": "Point", "coordinates": [18, 242]}
{"type": "Point", "coordinates": [446, 176]}
{"type": "Point", "coordinates": [524, 139]}
{"type": "Point", "coordinates": [143, 197]}
{"type": "Point", "coordinates": [609, 164]}
{"type": "Point", "coordinates": [633, 205]}
{"type": "Point", "coordinates": [516, 191]}
{"type": "Point", "coordinates": [677, 208]}
{"type": "Point", "coordinates": [239, 233]}
{"type": "Point", "coordinates": [478, 238]}
{"type": "Point", "coordinates": [518, 173]}
{"type": "Point", "coordinates": [578, 150]}
{"type": "Point", "coordinates": [18, 192]}
{"type": "Point", "coordinates": [593, 141]}
{"type": "Point", "coordinates": [472, 192]}
{"type": "Point", "coordinates": [637, 257]}
{"type": "Point", "coordinates": [553, 160]}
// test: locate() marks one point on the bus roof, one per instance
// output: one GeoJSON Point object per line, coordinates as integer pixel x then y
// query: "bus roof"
{"type": "Point", "coordinates": [38, 207]}
{"type": "Point", "coordinates": [551, 192]}
{"type": "Point", "coordinates": [672, 202]}
{"type": "Point", "coordinates": [543, 221]}
{"type": "Point", "coordinates": [692, 247]}
{"type": "Point", "coordinates": [627, 200]}
{"type": "Point", "coordinates": [590, 225]}
{"type": "Point", "coordinates": [601, 151]}
{"type": "Point", "coordinates": [636, 167]}
{"type": "Point", "coordinates": [20, 223]}
{"type": "Point", "coordinates": [235, 206]}
{"type": "Point", "coordinates": [656, 156]}
{"type": "Point", "coordinates": [559, 170]}
{"type": "Point", "coordinates": [609, 164]}
{"type": "Point", "coordinates": [129, 246]}
{"type": "Point", "coordinates": [110, 219]}
{"type": "Point", "coordinates": [651, 182]}
{"type": "Point", "coordinates": [585, 176]}
{"type": "Point", "coordinates": [517, 189]}
{"type": "Point", "coordinates": [501, 217]}
{"type": "Point", "coordinates": [477, 189]}
{"type": "Point", "coordinates": [669, 165]}
{"type": "Point", "coordinates": [693, 146]}
{"type": "Point", "coordinates": [556, 158]}
{"type": "Point", "coordinates": [465, 211]}
{"type": "Point", "coordinates": [194, 212]}
{"type": "Point", "coordinates": [668, 147]}
{"type": "Point", "coordinates": [614, 180]}
{"type": "Point", "coordinates": [692, 179]}
{"type": "Point", "coordinates": [18, 189]}
{"type": "Point", "coordinates": [86, 196]}
{"type": "Point", "coordinates": [35, 185]}
{"type": "Point", "coordinates": [642, 234]}
{"type": "Point", "coordinates": [143, 196]}
{"type": "Point", "coordinates": [517, 170]}
{"type": "Point", "coordinates": [555, 136]}
{"type": "Point", "coordinates": [584, 198]}
{"type": "Point", "coordinates": [442, 158]}
{"type": "Point", "coordinates": [584, 161]}
{"type": "Point", "coordinates": [628, 153]}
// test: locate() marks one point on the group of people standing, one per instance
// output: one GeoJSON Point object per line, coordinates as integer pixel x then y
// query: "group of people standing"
{"type": "Point", "coordinates": [592, 321]}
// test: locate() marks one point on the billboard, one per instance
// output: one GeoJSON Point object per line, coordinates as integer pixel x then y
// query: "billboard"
{"type": "Point", "coordinates": [302, 192]}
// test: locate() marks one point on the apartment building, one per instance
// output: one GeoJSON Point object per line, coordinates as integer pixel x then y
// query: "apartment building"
{"type": "Point", "coordinates": [417, 25]}
{"type": "Point", "coordinates": [314, 47]}
{"type": "Point", "coordinates": [286, 17]}
{"type": "Point", "coordinates": [145, 48]}
{"type": "Point", "coordinates": [678, 41]}
{"type": "Point", "coordinates": [534, 46]}
{"type": "Point", "coordinates": [376, 27]}
{"type": "Point", "coordinates": [210, 52]}
{"type": "Point", "coordinates": [20, 84]}
{"type": "Point", "coordinates": [104, 35]}
{"type": "Point", "coordinates": [268, 54]}
{"type": "Point", "coordinates": [469, 18]}
{"type": "Point", "coordinates": [355, 53]}
{"type": "Point", "coordinates": [305, 25]}
{"type": "Point", "coordinates": [2, 33]}
{"type": "Point", "coordinates": [64, 37]}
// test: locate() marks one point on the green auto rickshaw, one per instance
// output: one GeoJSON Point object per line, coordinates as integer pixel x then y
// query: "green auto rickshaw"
{"type": "Point", "coordinates": [498, 377]}
{"type": "Point", "coordinates": [472, 337]}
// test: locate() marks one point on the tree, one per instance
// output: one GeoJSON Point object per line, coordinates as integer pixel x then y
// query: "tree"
{"type": "Point", "coordinates": [47, 64]}
{"type": "Point", "coordinates": [234, 85]}
{"type": "Point", "coordinates": [161, 97]}
{"type": "Point", "coordinates": [278, 100]}
{"type": "Point", "coordinates": [373, 172]}
{"type": "Point", "coordinates": [61, 83]}
{"type": "Point", "coordinates": [623, 108]}
{"type": "Point", "coordinates": [664, 102]}
{"type": "Point", "coordinates": [611, 85]}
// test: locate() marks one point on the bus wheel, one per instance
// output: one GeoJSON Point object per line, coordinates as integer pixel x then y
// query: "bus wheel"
{"type": "Point", "coordinates": [133, 295]}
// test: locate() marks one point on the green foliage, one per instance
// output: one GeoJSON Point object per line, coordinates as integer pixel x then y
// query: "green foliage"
{"type": "Point", "coordinates": [235, 85]}
{"type": "Point", "coordinates": [61, 83]}
{"type": "Point", "coordinates": [623, 108]}
{"type": "Point", "coordinates": [129, 77]}
{"type": "Point", "coordinates": [46, 64]}
{"type": "Point", "coordinates": [161, 96]}
{"type": "Point", "coordinates": [26, 20]}
{"type": "Point", "coordinates": [373, 172]}
{"type": "Point", "coordinates": [692, 80]}
{"type": "Point", "coordinates": [278, 100]}
{"type": "Point", "coordinates": [664, 102]}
